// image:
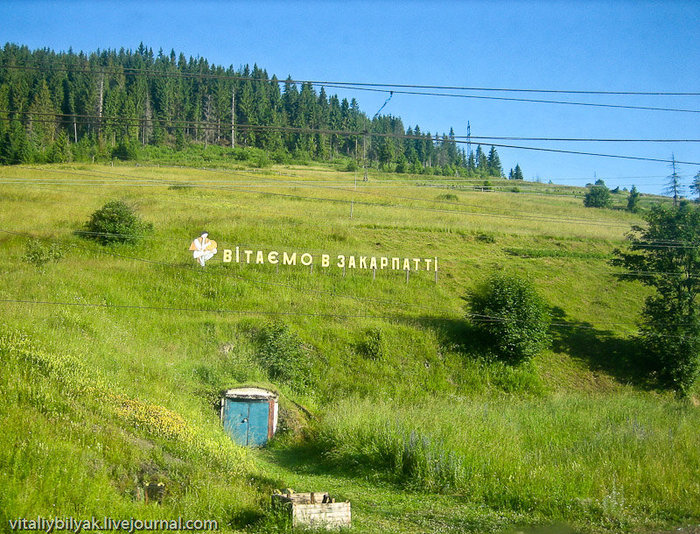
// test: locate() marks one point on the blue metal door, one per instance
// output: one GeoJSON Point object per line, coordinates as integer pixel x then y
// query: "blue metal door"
{"type": "Point", "coordinates": [246, 421]}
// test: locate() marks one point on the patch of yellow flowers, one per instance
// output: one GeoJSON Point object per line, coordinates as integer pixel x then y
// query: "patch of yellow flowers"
{"type": "Point", "coordinates": [159, 421]}
{"type": "Point", "coordinates": [154, 419]}
{"type": "Point", "coordinates": [71, 373]}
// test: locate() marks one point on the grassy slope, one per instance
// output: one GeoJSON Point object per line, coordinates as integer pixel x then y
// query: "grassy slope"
{"type": "Point", "coordinates": [142, 406]}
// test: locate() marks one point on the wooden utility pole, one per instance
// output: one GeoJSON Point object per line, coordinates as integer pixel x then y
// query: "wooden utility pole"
{"type": "Point", "coordinates": [233, 117]}
{"type": "Point", "coordinates": [364, 156]}
{"type": "Point", "coordinates": [99, 103]}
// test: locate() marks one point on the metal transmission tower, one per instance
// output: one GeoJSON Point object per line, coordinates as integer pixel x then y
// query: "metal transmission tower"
{"type": "Point", "coordinates": [674, 182]}
{"type": "Point", "coordinates": [469, 139]}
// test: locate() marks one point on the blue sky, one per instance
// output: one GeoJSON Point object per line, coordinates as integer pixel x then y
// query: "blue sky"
{"type": "Point", "coordinates": [609, 46]}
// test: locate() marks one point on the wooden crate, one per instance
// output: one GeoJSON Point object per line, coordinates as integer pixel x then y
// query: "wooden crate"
{"type": "Point", "coordinates": [314, 509]}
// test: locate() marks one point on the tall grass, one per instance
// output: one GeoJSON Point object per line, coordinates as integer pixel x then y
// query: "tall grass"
{"type": "Point", "coordinates": [617, 462]}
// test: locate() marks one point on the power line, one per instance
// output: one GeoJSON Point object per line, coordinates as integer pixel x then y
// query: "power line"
{"type": "Point", "coordinates": [580, 153]}
{"type": "Point", "coordinates": [200, 310]}
{"type": "Point", "coordinates": [233, 188]}
{"type": "Point", "coordinates": [127, 70]}
{"type": "Point", "coordinates": [389, 88]}
{"type": "Point", "coordinates": [359, 299]}
{"type": "Point", "coordinates": [578, 139]}
{"type": "Point", "coordinates": [509, 99]}
{"type": "Point", "coordinates": [296, 183]}
{"type": "Point", "coordinates": [216, 126]}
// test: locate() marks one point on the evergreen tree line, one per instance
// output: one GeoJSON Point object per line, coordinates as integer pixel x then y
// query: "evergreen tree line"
{"type": "Point", "coordinates": [55, 106]}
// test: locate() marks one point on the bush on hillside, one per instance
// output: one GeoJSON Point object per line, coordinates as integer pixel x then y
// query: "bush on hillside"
{"type": "Point", "coordinates": [598, 196]}
{"type": "Point", "coordinates": [39, 254]}
{"type": "Point", "coordinates": [512, 315]}
{"type": "Point", "coordinates": [371, 345]}
{"type": "Point", "coordinates": [283, 356]}
{"type": "Point", "coordinates": [115, 222]}
{"type": "Point", "coordinates": [126, 150]}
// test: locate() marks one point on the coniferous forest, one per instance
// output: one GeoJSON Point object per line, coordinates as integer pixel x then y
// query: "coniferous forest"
{"type": "Point", "coordinates": [63, 106]}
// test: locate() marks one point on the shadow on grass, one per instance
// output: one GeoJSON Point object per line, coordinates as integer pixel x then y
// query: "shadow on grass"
{"type": "Point", "coordinates": [457, 334]}
{"type": "Point", "coordinates": [600, 350]}
{"type": "Point", "coordinates": [308, 459]}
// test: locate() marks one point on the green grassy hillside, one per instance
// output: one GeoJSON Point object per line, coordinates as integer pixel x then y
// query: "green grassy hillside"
{"type": "Point", "coordinates": [113, 357]}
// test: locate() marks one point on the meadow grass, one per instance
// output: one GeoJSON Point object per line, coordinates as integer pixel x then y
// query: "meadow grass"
{"type": "Point", "coordinates": [622, 462]}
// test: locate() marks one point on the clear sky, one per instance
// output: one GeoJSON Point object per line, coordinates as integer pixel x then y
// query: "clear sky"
{"type": "Point", "coordinates": [585, 45]}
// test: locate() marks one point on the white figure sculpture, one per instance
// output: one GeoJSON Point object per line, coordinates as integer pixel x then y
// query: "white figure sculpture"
{"type": "Point", "coordinates": [203, 248]}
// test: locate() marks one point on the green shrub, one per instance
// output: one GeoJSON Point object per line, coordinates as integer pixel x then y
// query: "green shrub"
{"type": "Point", "coordinates": [351, 166]}
{"type": "Point", "coordinates": [371, 344]}
{"type": "Point", "coordinates": [39, 254]}
{"type": "Point", "coordinates": [402, 166]}
{"type": "Point", "coordinates": [284, 357]}
{"type": "Point", "coordinates": [485, 238]}
{"type": "Point", "coordinates": [126, 150]}
{"type": "Point", "coordinates": [115, 222]}
{"type": "Point", "coordinates": [512, 314]}
{"type": "Point", "coordinates": [598, 196]}
{"type": "Point", "coordinates": [280, 156]}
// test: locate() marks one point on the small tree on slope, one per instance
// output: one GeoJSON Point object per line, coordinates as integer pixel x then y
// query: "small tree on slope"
{"type": "Point", "coordinates": [666, 256]}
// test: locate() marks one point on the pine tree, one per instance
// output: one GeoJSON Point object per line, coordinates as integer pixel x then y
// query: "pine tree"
{"type": "Point", "coordinates": [471, 164]}
{"type": "Point", "coordinates": [695, 186]}
{"type": "Point", "coordinates": [670, 332]}
{"type": "Point", "coordinates": [516, 174]}
{"type": "Point", "coordinates": [494, 163]}
{"type": "Point", "coordinates": [15, 147]}
{"type": "Point", "coordinates": [633, 200]}
{"type": "Point", "coordinates": [4, 107]}
{"type": "Point", "coordinates": [482, 163]}
{"type": "Point", "coordinates": [42, 122]}
{"type": "Point", "coordinates": [168, 99]}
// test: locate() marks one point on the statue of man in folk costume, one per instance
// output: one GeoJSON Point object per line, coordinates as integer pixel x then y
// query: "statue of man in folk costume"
{"type": "Point", "coordinates": [203, 248]}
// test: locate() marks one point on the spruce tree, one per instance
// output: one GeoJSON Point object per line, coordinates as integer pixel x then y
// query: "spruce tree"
{"type": "Point", "coordinates": [633, 200]}
{"type": "Point", "coordinates": [670, 332]}
{"type": "Point", "coordinates": [517, 173]}
{"type": "Point", "coordinates": [42, 123]}
{"type": "Point", "coordinates": [482, 163]}
{"type": "Point", "coordinates": [695, 186]}
{"type": "Point", "coordinates": [494, 163]}
{"type": "Point", "coordinates": [471, 164]}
